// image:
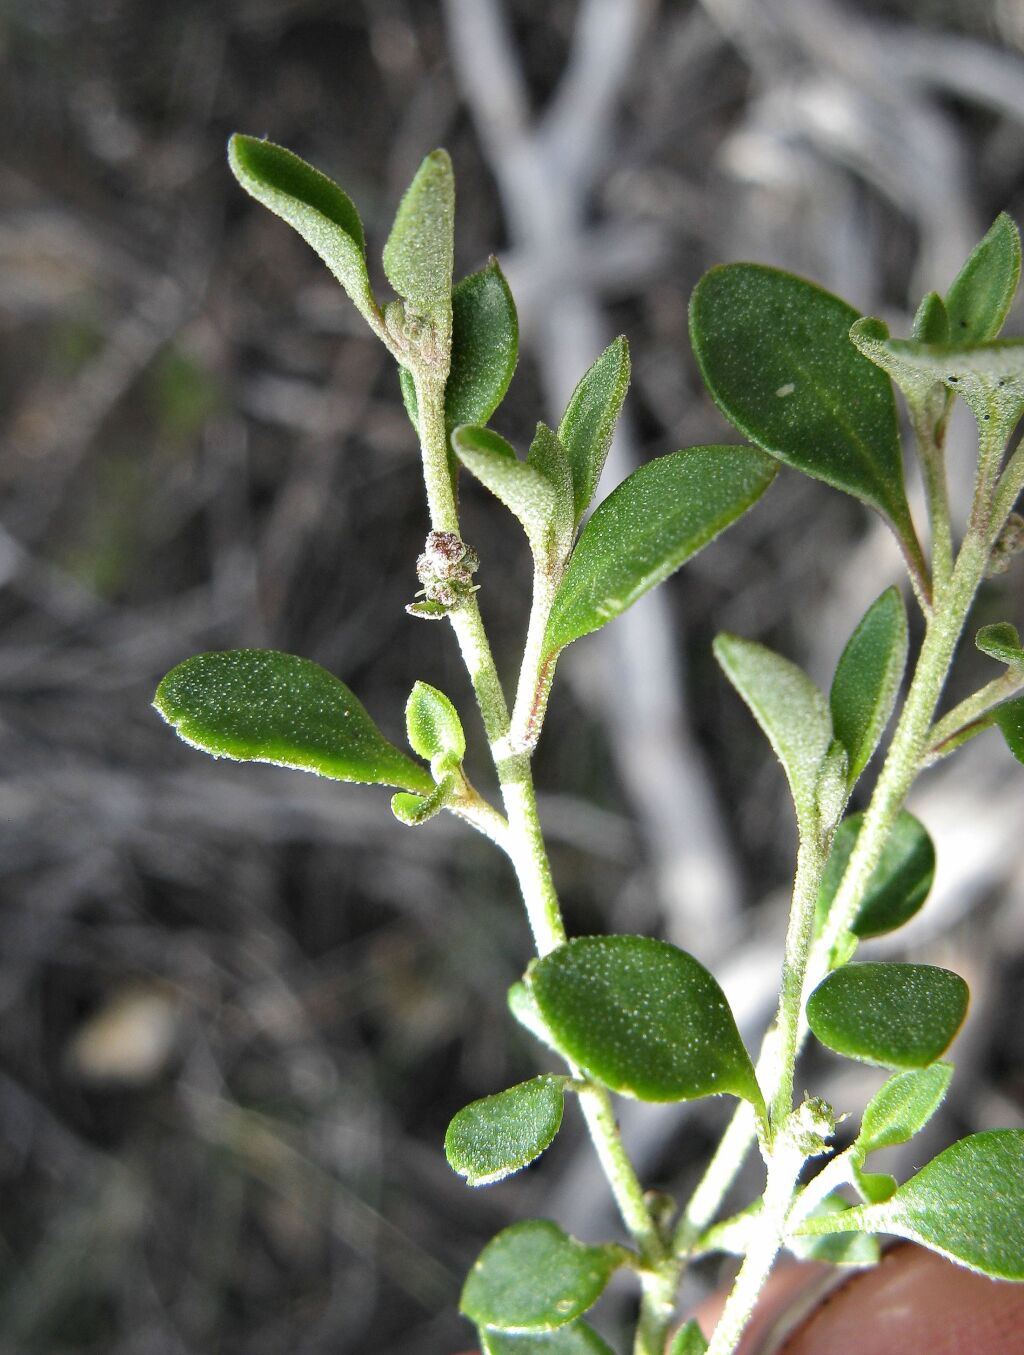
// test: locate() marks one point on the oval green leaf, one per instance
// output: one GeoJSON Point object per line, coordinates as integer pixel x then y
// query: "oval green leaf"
{"type": "Point", "coordinates": [775, 353]}
{"type": "Point", "coordinates": [867, 680]}
{"type": "Point", "coordinates": [643, 1017]}
{"type": "Point", "coordinates": [902, 1106]}
{"type": "Point", "coordinates": [896, 1015]}
{"type": "Point", "coordinates": [688, 1340]}
{"type": "Point", "coordinates": [1002, 643]}
{"type": "Point", "coordinates": [967, 1204]}
{"type": "Point", "coordinates": [312, 204]}
{"type": "Point", "coordinates": [790, 710]}
{"type": "Point", "coordinates": [899, 884]}
{"type": "Point", "coordinates": [588, 423]}
{"type": "Point", "coordinates": [575, 1339]}
{"type": "Point", "coordinates": [433, 725]}
{"type": "Point", "coordinates": [418, 253]}
{"type": "Point", "coordinates": [652, 523]}
{"type": "Point", "coordinates": [523, 488]}
{"type": "Point", "coordinates": [257, 705]}
{"type": "Point", "coordinates": [498, 1135]}
{"type": "Point", "coordinates": [533, 1277]}
{"type": "Point", "coordinates": [981, 294]}
{"type": "Point", "coordinates": [1010, 719]}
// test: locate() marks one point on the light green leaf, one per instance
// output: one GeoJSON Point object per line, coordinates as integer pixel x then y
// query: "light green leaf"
{"type": "Point", "coordinates": [312, 204]}
{"type": "Point", "coordinates": [1001, 642]}
{"type": "Point", "coordinates": [899, 884]}
{"type": "Point", "coordinates": [589, 420]}
{"type": "Point", "coordinates": [1010, 719]}
{"type": "Point", "coordinates": [896, 1015]}
{"type": "Point", "coordinates": [419, 250]}
{"type": "Point", "coordinates": [688, 1340]}
{"type": "Point", "coordinates": [980, 296]}
{"type": "Point", "coordinates": [902, 1106]}
{"type": "Point", "coordinates": [547, 455]}
{"type": "Point", "coordinates": [523, 1006]}
{"type": "Point", "coordinates": [643, 1017]}
{"type": "Point", "coordinates": [874, 1187]}
{"type": "Point", "coordinates": [839, 1249]}
{"type": "Point", "coordinates": [498, 1135]}
{"type": "Point", "coordinates": [967, 1204]}
{"type": "Point", "coordinates": [533, 1277]}
{"type": "Point", "coordinates": [433, 726]}
{"type": "Point", "coordinates": [659, 517]}
{"type": "Point", "coordinates": [775, 354]}
{"type": "Point", "coordinates": [790, 710]}
{"type": "Point", "coordinates": [257, 705]}
{"type": "Point", "coordinates": [931, 323]}
{"type": "Point", "coordinates": [575, 1339]}
{"type": "Point", "coordinates": [413, 810]}
{"type": "Point", "coordinates": [867, 680]}
{"type": "Point", "coordinates": [523, 488]}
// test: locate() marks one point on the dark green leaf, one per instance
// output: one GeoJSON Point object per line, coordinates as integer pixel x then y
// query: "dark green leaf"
{"type": "Point", "coordinates": [899, 884]}
{"type": "Point", "coordinates": [967, 1204]}
{"type": "Point", "coordinates": [931, 323]}
{"type": "Point", "coordinates": [775, 353]}
{"type": "Point", "coordinates": [867, 680]}
{"type": "Point", "coordinates": [654, 521]}
{"type": "Point", "coordinates": [902, 1106]}
{"type": "Point", "coordinates": [838, 1249]}
{"type": "Point", "coordinates": [575, 1339]}
{"type": "Point", "coordinates": [896, 1015]}
{"type": "Point", "coordinates": [524, 489]}
{"type": "Point", "coordinates": [790, 710]}
{"type": "Point", "coordinates": [418, 253]}
{"type": "Point", "coordinates": [533, 1277]}
{"type": "Point", "coordinates": [433, 725]}
{"type": "Point", "coordinates": [1001, 642]}
{"type": "Point", "coordinates": [589, 420]}
{"type": "Point", "coordinates": [981, 294]}
{"type": "Point", "coordinates": [1010, 719]}
{"type": "Point", "coordinates": [688, 1340]}
{"type": "Point", "coordinates": [256, 705]}
{"type": "Point", "coordinates": [492, 1138]}
{"type": "Point", "coordinates": [312, 204]}
{"type": "Point", "coordinates": [643, 1017]}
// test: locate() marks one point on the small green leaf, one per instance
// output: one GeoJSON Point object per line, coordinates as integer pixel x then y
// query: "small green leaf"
{"type": "Point", "coordinates": [652, 523]}
{"type": "Point", "coordinates": [980, 296]}
{"type": "Point", "coordinates": [1010, 719]}
{"type": "Point", "coordinates": [523, 1006]}
{"type": "Point", "coordinates": [967, 1204]}
{"type": "Point", "coordinates": [577, 1338]}
{"type": "Point", "coordinates": [413, 810]}
{"type": "Point", "coordinates": [312, 204]}
{"type": "Point", "coordinates": [899, 884]}
{"type": "Point", "coordinates": [589, 420]}
{"type": "Point", "coordinates": [433, 725]}
{"type": "Point", "coordinates": [840, 1249]}
{"type": "Point", "coordinates": [776, 356]}
{"type": "Point", "coordinates": [902, 1106]}
{"type": "Point", "coordinates": [643, 1017]}
{"type": "Point", "coordinates": [257, 705]}
{"type": "Point", "coordinates": [498, 1135]}
{"type": "Point", "coordinates": [867, 680]}
{"type": "Point", "coordinates": [874, 1187]}
{"type": "Point", "coordinates": [790, 710]}
{"type": "Point", "coordinates": [533, 1277]}
{"type": "Point", "coordinates": [524, 489]}
{"type": "Point", "coordinates": [688, 1340]}
{"type": "Point", "coordinates": [547, 455]}
{"type": "Point", "coordinates": [931, 323]}
{"type": "Point", "coordinates": [418, 253]}
{"type": "Point", "coordinates": [1002, 643]}
{"type": "Point", "coordinates": [896, 1015]}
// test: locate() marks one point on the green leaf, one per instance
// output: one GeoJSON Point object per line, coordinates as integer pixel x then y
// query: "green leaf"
{"type": "Point", "coordinates": [896, 1015]}
{"type": "Point", "coordinates": [523, 488]}
{"type": "Point", "coordinates": [498, 1135]}
{"type": "Point", "coordinates": [902, 1106]}
{"type": "Point", "coordinates": [776, 356]}
{"type": "Point", "coordinates": [256, 705]}
{"type": "Point", "coordinates": [652, 523]}
{"type": "Point", "coordinates": [1001, 642]}
{"type": "Point", "coordinates": [1010, 719]}
{"type": "Point", "coordinates": [413, 810]}
{"type": "Point", "coordinates": [931, 323]}
{"type": "Point", "coordinates": [589, 420]}
{"type": "Point", "coordinates": [643, 1017]}
{"type": "Point", "coordinates": [980, 296]}
{"type": "Point", "coordinates": [547, 455]}
{"type": "Point", "coordinates": [312, 204]}
{"type": "Point", "coordinates": [419, 250]}
{"type": "Point", "coordinates": [874, 1187]}
{"type": "Point", "coordinates": [867, 680]}
{"type": "Point", "coordinates": [967, 1204]}
{"type": "Point", "coordinates": [533, 1277]}
{"type": "Point", "coordinates": [433, 726]}
{"type": "Point", "coordinates": [899, 884]}
{"type": "Point", "coordinates": [688, 1340]}
{"type": "Point", "coordinates": [790, 710]}
{"type": "Point", "coordinates": [523, 1006]}
{"type": "Point", "coordinates": [577, 1338]}
{"type": "Point", "coordinates": [840, 1249]}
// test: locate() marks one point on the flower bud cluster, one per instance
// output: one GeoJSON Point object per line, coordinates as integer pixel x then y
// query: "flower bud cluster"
{"type": "Point", "coordinates": [446, 569]}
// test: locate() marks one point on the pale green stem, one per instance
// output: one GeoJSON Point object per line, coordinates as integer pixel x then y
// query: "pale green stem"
{"type": "Point", "coordinates": [942, 738]}
{"type": "Point", "coordinates": [1008, 491]}
{"type": "Point", "coordinates": [838, 1172]}
{"type": "Point", "coordinates": [929, 434]}
{"type": "Point", "coordinates": [534, 674]}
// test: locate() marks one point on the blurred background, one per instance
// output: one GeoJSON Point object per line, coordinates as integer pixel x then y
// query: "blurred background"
{"type": "Point", "coordinates": [238, 1005]}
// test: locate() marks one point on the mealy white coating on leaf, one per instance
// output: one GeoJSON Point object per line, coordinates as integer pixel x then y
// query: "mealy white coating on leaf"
{"type": "Point", "coordinates": [419, 250]}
